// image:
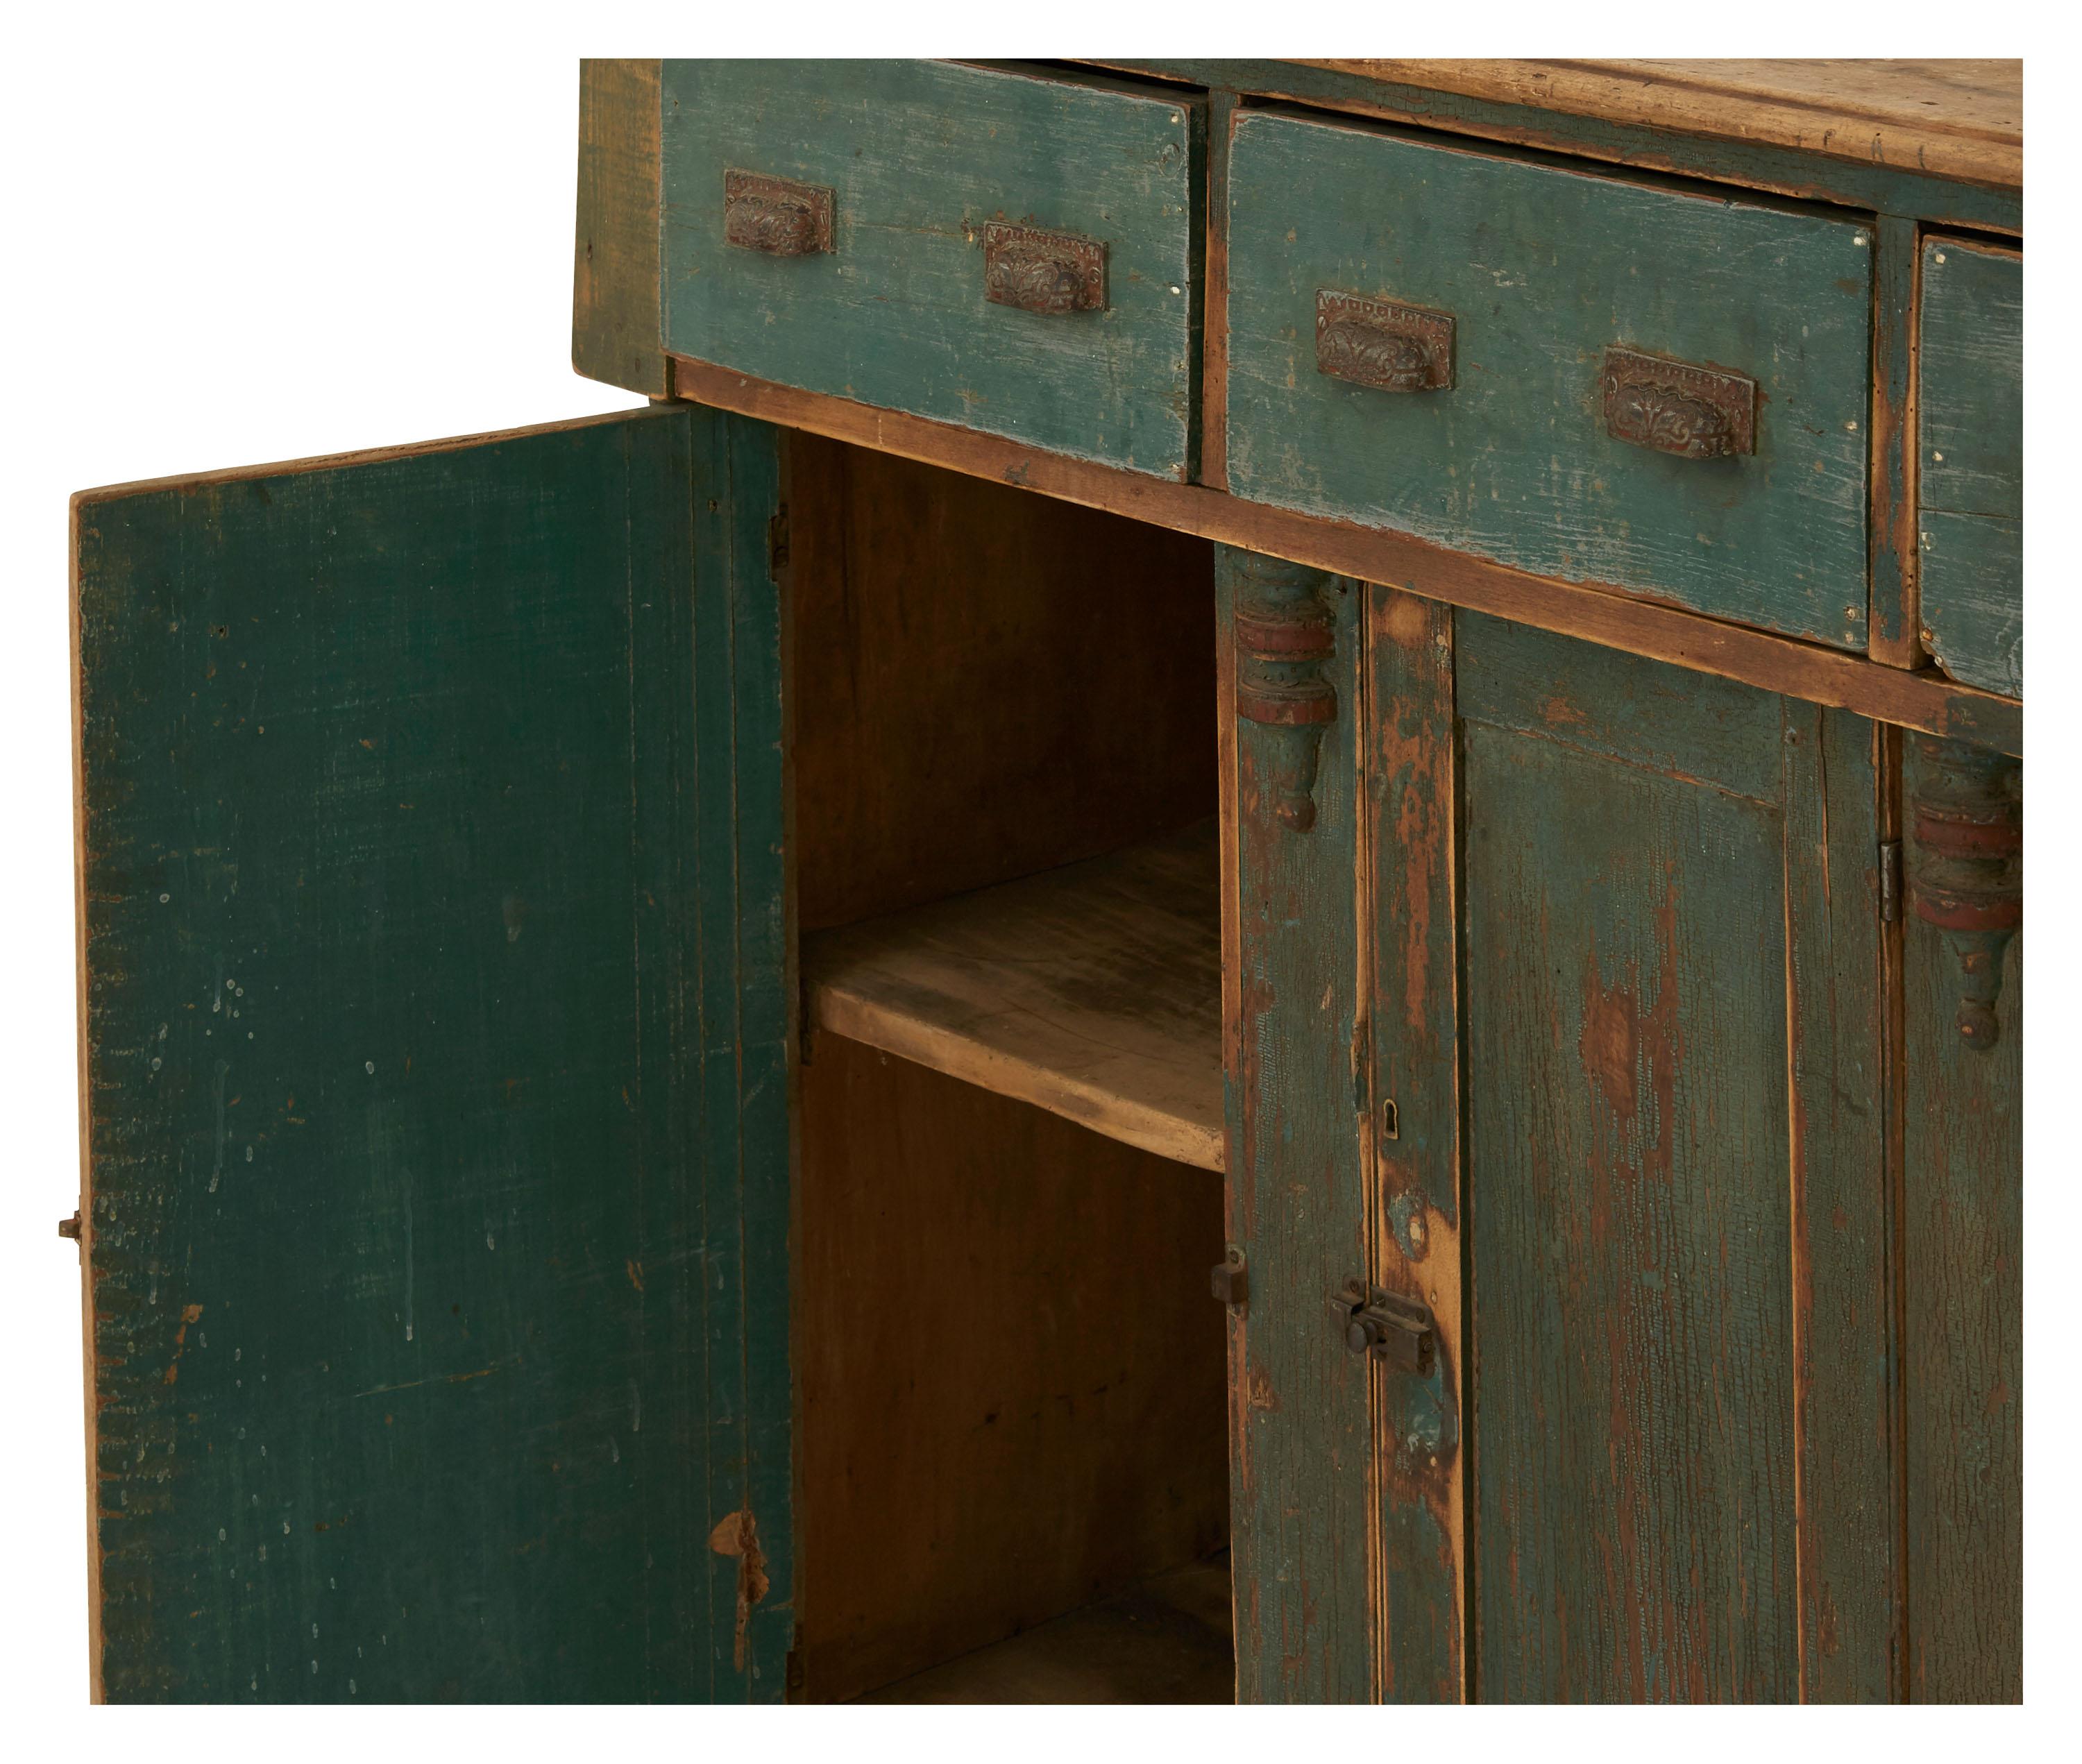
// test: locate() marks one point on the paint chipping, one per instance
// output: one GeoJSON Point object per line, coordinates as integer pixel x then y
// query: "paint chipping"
{"type": "Point", "coordinates": [737, 1535]}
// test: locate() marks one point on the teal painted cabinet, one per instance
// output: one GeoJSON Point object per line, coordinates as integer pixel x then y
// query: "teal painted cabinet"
{"type": "Point", "coordinates": [1566, 1006]}
{"type": "Point", "coordinates": [437, 1202]}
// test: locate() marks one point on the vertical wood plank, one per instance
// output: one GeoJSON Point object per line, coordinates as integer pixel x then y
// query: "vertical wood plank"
{"type": "Point", "coordinates": [1891, 541]}
{"type": "Point", "coordinates": [1963, 1245]}
{"type": "Point", "coordinates": [1410, 1133]}
{"type": "Point", "coordinates": [1301, 1443]}
{"type": "Point", "coordinates": [1215, 317]}
{"type": "Point", "coordinates": [1846, 1354]}
{"type": "Point", "coordinates": [615, 335]}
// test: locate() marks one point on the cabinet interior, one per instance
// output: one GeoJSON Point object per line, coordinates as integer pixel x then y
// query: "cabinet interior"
{"type": "Point", "coordinates": [1012, 1452]}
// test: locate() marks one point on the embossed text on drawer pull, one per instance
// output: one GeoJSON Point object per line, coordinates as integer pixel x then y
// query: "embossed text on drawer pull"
{"type": "Point", "coordinates": [1676, 407]}
{"type": "Point", "coordinates": [1042, 273]}
{"type": "Point", "coordinates": [1382, 343]}
{"type": "Point", "coordinates": [777, 216]}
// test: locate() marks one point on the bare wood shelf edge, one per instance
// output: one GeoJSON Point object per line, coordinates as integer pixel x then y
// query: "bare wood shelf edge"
{"type": "Point", "coordinates": [1093, 992]}
{"type": "Point", "coordinates": [1924, 699]}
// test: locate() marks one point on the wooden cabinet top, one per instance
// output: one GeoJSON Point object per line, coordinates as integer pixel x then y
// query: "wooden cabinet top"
{"type": "Point", "coordinates": [1949, 119]}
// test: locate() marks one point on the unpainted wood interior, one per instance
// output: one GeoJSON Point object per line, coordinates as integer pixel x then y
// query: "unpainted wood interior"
{"type": "Point", "coordinates": [1010, 1370]}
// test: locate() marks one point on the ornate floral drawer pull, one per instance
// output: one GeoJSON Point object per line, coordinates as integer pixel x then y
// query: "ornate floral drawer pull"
{"type": "Point", "coordinates": [1042, 273]}
{"type": "Point", "coordinates": [776, 216]}
{"type": "Point", "coordinates": [1382, 343]}
{"type": "Point", "coordinates": [1677, 408]}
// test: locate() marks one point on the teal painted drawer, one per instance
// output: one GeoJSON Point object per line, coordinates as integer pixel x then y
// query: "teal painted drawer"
{"type": "Point", "coordinates": [1466, 305]}
{"type": "Point", "coordinates": [1969, 499]}
{"type": "Point", "coordinates": [1010, 253]}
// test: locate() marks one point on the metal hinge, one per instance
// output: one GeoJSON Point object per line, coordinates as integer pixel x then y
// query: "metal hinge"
{"type": "Point", "coordinates": [1231, 1280]}
{"type": "Point", "coordinates": [1889, 880]}
{"type": "Point", "coordinates": [777, 540]}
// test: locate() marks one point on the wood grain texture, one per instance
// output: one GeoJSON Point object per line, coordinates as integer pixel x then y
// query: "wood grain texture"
{"type": "Point", "coordinates": [1093, 992]}
{"type": "Point", "coordinates": [615, 335]}
{"type": "Point", "coordinates": [1544, 269]}
{"type": "Point", "coordinates": [1011, 1369]}
{"type": "Point", "coordinates": [1951, 118]}
{"type": "Point", "coordinates": [919, 155]}
{"type": "Point", "coordinates": [1963, 1182]}
{"type": "Point", "coordinates": [1671, 1021]}
{"type": "Point", "coordinates": [1971, 499]}
{"type": "Point", "coordinates": [1925, 699]}
{"type": "Point", "coordinates": [1846, 1347]}
{"type": "Point", "coordinates": [1857, 183]}
{"type": "Point", "coordinates": [1300, 1430]}
{"type": "Point", "coordinates": [435, 1041]}
{"type": "Point", "coordinates": [987, 683]}
{"type": "Point", "coordinates": [1892, 585]}
{"type": "Point", "coordinates": [1408, 933]}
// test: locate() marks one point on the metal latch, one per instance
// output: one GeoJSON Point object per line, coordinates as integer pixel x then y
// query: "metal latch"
{"type": "Point", "coordinates": [1396, 1330]}
{"type": "Point", "coordinates": [1231, 1280]}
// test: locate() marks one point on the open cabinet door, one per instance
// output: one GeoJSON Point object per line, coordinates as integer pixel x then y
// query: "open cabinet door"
{"type": "Point", "coordinates": [433, 1050]}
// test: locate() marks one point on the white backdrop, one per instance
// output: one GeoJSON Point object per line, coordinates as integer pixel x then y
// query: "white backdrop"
{"type": "Point", "coordinates": [238, 236]}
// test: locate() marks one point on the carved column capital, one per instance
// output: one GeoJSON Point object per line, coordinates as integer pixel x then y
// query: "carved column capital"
{"type": "Point", "coordinates": [1967, 877]}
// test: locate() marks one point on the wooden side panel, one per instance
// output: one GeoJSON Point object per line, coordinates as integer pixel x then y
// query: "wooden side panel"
{"type": "Point", "coordinates": [1682, 1365]}
{"type": "Point", "coordinates": [615, 335]}
{"type": "Point", "coordinates": [989, 684]}
{"type": "Point", "coordinates": [919, 158]}
{"type": "Point", "coordinates": [1411, 1132]}
{"type": "Point", "coordinates": [1971, 410]}
{"type": "Point", "coordinates": [1963, 1182]}
{"type": "Point", "coordinates": [1013, 1398]}
{"type": "Point", "coordinates": [1300, 1432]}
{"type": "Point", "coordinates": [437, 1187]}
{"type": "Point", "coordinates": [1543, 269]}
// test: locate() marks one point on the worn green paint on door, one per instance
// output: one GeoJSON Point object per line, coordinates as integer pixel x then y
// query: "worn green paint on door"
{"type": "Point", "coordinates": [1672, 984]}
{"type": "Point", "coordinates": [1970, 497]}
{"type": "Point", "coordinates": [1543, 269]}
{"type": "Point", "coordinates": [435, 1032]}
{"type": "Point", "coordinates": [919, 155]}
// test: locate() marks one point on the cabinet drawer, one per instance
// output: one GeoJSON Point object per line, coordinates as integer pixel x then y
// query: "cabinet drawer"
{"type": "Point", "coordinates": [1008, 252]}
{"type": "Point", "coordinates": [1421, 338]}
{"type": "Point", "coordinates": [1970, 500]}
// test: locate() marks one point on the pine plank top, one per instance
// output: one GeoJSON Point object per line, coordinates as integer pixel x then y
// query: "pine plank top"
{"type": "Point", "coordinates": [1951, 119]}
{"type": "Point", "coordinates": [1093, 992]}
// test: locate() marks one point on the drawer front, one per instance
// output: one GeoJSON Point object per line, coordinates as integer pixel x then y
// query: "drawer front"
{"type": "Point", "coordinates": [1010, 253]}
{"type": "Point", "coordinates": [1421, 338]}
{"type": "Point", "coordinates": [1970, 500]}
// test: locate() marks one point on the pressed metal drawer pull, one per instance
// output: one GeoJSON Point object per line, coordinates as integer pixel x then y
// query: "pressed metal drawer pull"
{"type": "Point", "coordinates": [1382, 343]}
{"type": "Point", "coordinates": [777, 216]}
{"type": "Point", "coordinates": [1042, 273]}
{"type": "Point", "coordinates": [1675, 407]}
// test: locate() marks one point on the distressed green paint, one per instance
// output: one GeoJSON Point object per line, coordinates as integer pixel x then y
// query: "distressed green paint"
{"type": "Point", "coordinates": [1963, 1179]}
{"type": "Point", "coordinates": [1412, 1014]}
{"type": "Point", "coordinates": [1301, 1439]}
{"type": "Point", "coordinates": [1543, 269]}
{"type": "Point", "coordinates": [1848, 1351]}
{"type": "Point", "coordinates": [438, 1160]}
{"type": "Point", "coordinates": [1971, 416]}
{"type": "Point", "coordinates": [919, 155]}
{"type": "Point", "coordinates": [1849, 183]}
{"type": "Point", "coordinates": [1646, 908]}
{"type": "Point", "coordinates": [1891, 587]}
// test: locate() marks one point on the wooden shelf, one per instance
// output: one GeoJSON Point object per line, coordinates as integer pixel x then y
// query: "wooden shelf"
{"type": "Point", "coordinates": [1093, 991]}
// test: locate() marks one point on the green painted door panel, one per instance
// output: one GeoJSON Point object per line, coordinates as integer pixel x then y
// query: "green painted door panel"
{"type": "Point", "coordinates": [1683, 1368]}
{"type": "Point", "coordinates": [434, 1024]}
{"type": "Point", "coordinates": [1543, 269]}
{"type": "Point", "coordinates": [918, 156]}
{"type": "Point", "coordinates": [1971, 496]}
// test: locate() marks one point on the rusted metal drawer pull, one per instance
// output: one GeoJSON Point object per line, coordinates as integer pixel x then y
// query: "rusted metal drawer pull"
{"type": "Point", "coordinates": [1675, 407]}
{"type": "Point", "coordinates": [1382, 343]}
{"type": "Point", "coordinates": [1042, 273]}
{"type": "Point", "coordinates": [777, 216]}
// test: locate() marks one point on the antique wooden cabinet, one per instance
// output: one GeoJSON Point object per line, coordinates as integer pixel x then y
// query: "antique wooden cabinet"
{"type": "Point", "coordinates": [1238, 917]}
